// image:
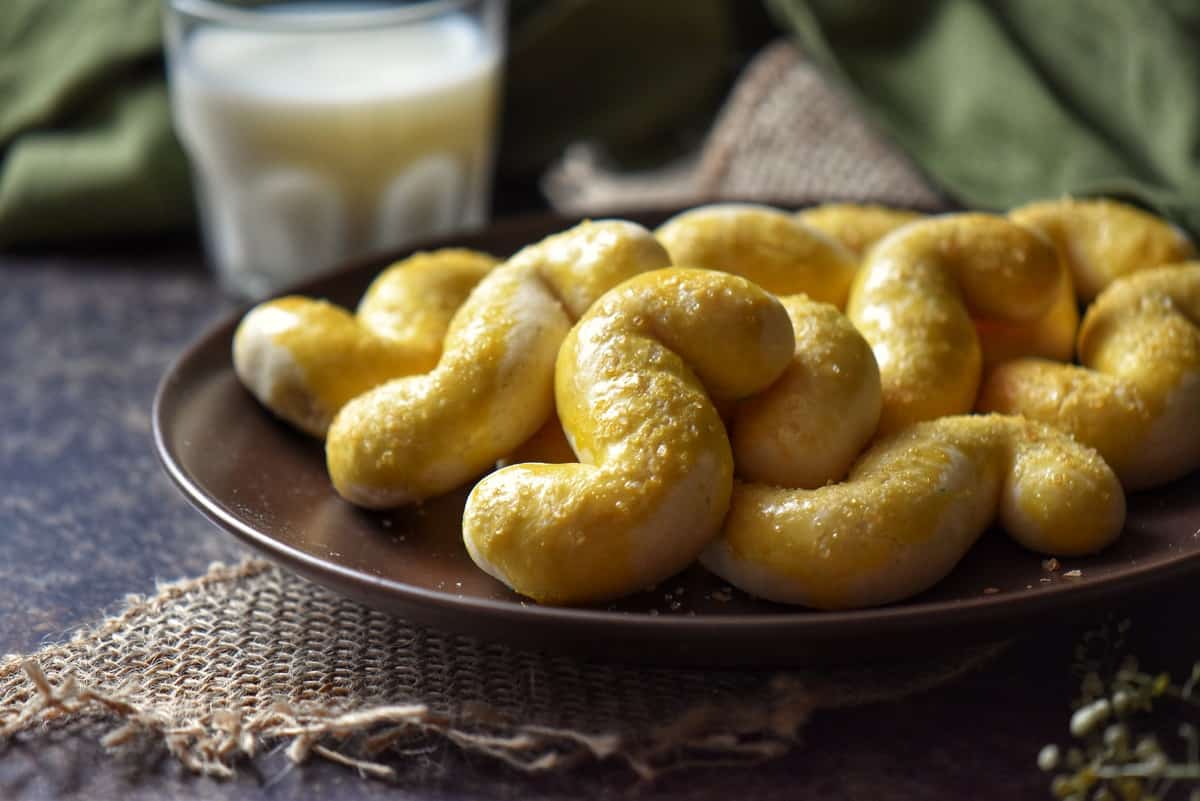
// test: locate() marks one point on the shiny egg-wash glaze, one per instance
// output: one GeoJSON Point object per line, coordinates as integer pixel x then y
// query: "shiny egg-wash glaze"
{"type": "Point", "coordinates": [1136, 395]}
{"type": "Point", "coordinates": [416, 437]}
{"type": "Point", "coordinates": [1050, 336]}
{"type": "Point", "coordinates": [1102, 240]}
{"type": "Point", "coordinates": [635, 385]}
{"type": "Point", "coordinates": [304, 358]}
{"type": "Point", "coordinates": [779, 436]}
{"type": "Point", "coordinates": [856, 227]}
{"type": "Point", "coordinates": [1097, 241]}
{"type": "Point", "coordinates": [809, 426]}
{"type": "Point", "coordinates": [768, 246]}
{"type": "Point", "coordinates": [912, 506]}
{"type": "Point", "coordinates": [916, 295]}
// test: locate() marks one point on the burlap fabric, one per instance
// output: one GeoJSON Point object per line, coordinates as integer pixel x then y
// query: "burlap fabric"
{"type": "Point", "coordinates": [785, 135]}
{"type": "Point", "coordinates": [220, 667]}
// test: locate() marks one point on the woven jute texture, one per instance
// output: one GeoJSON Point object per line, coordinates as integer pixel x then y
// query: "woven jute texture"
{"type": "Point", "coordinates": [785, 135]}
{"type": "Point", "coordinates": [220, 667]}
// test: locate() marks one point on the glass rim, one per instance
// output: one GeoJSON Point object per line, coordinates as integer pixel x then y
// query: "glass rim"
{"type": "Point", "coordinates": [315, 21]}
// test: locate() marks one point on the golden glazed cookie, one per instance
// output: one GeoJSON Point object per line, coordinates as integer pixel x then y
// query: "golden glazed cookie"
{"type": "Point", "coordinates": [1136, 397]}
{"type": "Point", "coordinates": [912, 506]}
{"type": "Point", "coordinates": [859, 227]}
{"type": "Point", "coordinates": [856, 226]}
{"type": "Point", "coordinates": [1102, 240]}
{"type": "Point", "coordinates": [916, 295]}
{"type": "Point", "coordinates": [1097, 241]}
{"type": "Point", "coordinates": [304, 358]}
{"type": "Point", "coordinates": [768, 247]}
{"type": "Point", "coordinates": [633, 386]}
{"type": "Point", "coordinates": [1050, 336]}
{"type": "Point", "coordinates": [765, 245]}
{"type": "Point", "coordinates": [778, 435]}
{"type": "Point", "coordinates": [809, 426]}
{"type": "Point", "coordinates": [420, 436]}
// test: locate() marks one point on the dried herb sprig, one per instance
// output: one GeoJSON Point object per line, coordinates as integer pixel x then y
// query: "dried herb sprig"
{"type": "Point", "coordinates": [1112, 760]}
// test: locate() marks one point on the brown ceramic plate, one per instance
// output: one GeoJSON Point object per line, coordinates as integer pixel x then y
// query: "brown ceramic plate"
{"type": "Point", "coordinates": [267, 484]}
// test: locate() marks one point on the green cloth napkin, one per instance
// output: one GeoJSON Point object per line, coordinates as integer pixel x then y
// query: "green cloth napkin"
{"type": "Point", "coordinates": [86, 148]}
{"type": "Point", "coordinates": [1005, 101]}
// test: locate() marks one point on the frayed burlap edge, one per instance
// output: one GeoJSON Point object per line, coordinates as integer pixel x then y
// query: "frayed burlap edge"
{"type": "Point", "coordinates": [730, 731]}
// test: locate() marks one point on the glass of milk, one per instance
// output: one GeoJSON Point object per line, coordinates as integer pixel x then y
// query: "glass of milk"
{"type": "Point", "coordinates": [322, 130]}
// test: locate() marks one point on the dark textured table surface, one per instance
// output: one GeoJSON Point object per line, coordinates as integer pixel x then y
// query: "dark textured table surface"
{"type": "Point", "coordinates": [87, 516]}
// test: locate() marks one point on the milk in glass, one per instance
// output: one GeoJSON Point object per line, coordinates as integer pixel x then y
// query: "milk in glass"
{"type": "Point", "coordinates": [312, 146]}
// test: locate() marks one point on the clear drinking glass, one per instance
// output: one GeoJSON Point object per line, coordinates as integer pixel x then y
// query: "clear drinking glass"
{"type": "Point", "coordinates": [321, 130]}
